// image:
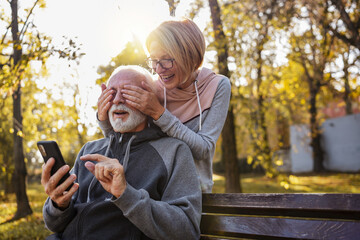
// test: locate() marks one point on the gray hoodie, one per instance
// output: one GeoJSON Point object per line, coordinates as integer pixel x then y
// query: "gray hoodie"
{"type": "Point", "coordinates": [162, 199]}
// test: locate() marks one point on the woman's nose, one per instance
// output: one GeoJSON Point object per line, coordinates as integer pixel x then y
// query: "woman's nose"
{"type": "Point", "coordinates": [159, 69]}
{"type": "Point", "coordinates": [118, 98]}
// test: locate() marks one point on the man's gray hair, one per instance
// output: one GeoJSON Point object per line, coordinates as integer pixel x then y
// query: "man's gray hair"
{"type": "Point", "coordinates": [137, 70]}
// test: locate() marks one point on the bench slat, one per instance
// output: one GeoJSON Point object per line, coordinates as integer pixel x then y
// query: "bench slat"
{"type": "Point", "coordinates": [280, 216]}
{"type": "Point", "coordinates": [332, 206]}
{"type": "Point", "coordinates": [272, 228]}
{"type": "Point", "coordinates": [315, 201]}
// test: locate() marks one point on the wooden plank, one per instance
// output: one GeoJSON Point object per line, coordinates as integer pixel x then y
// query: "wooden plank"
{"type": "Point", "coordinates": [203, 237]}
{"type": "Point", "coordinates": [275, 228]}
{"type": "Point", "coordinates": [330, 202]}
{"type": "Point", "coordinates": [277, 212]}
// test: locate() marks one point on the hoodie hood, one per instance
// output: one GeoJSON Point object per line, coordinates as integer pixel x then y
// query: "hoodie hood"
{"type": "Point", "coordinates": [121, 144]}
{"type": "Point", "coordinates": [152, 132]}
{"type": "Point", "coordinates": [189, 102]}
{"type": "Point", "coordinates": [127, 142]}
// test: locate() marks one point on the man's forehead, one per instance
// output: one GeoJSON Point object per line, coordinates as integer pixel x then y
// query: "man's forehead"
{"type": "Point", "coordinates": [120, 80]}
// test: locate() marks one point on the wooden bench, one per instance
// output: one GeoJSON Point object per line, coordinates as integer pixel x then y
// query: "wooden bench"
{"type": "Point", "coordinates": [280, 216]}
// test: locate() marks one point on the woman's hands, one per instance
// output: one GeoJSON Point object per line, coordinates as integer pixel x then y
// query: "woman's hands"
{"type": "Point", "coordinates": [143, 99]}
{"type": "Point", "coordinates": [104, 102]}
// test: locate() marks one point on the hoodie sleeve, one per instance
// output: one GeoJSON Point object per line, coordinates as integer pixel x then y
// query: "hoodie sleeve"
{"type": "Point", "coordinates": [201, 143]}
{"type": "Point", "coordinates": [55, 219]}
{"type": "Point", "coordinates": [177, 215]}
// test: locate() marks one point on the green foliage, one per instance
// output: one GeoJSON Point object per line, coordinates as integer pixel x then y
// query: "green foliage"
{"type": "Point", "coordinates": [271, 93]}
{"type": "Point", "coordinates": [6, 141]}
{"type": "Point", "coordinates": [44, 118]}
{"type": "Point", "coordinates": [33, 47]}
{"type": "Point", "coordinates": [52, 119]}
{"type": "Point", "coordinates": [132, 54]}
{"type": "Point", "coordinates": [252, 29]}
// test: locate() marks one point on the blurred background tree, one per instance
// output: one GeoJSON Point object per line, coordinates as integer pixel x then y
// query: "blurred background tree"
{"type": "Point", "coordinates": [19, 51]}
{"type": "Point", "coordinates": [287, 61]}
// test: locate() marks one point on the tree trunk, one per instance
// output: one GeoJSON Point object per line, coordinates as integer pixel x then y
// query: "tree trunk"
{"type": "Point", "coordinates": [347, 99]}
{"type": "Point", "coordinates": [265, 148]}
{"type": "Point", "coordinates": [172, 6]}
{"type": "Point", "coordinates": [314, 129]}
{"type": "Point", "coordinates": [228, 146]}
{"type": "Point", "coordinates": [229, 153]}
{"type": "Point", "coordinates": [23, 206]}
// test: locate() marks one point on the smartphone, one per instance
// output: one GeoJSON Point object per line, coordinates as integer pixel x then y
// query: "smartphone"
{"type": "Point", "coordinates": [50, 149]}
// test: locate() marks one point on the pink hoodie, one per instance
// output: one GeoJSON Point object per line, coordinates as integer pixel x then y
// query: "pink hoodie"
{"type": "Point", "coordinates": [183, 103]}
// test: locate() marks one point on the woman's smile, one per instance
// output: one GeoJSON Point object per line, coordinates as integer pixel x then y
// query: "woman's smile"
{"type": "Point", "coordinates": [170, 76]}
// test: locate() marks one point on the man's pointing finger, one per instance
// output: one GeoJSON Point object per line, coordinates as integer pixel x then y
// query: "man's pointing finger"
{"type": "Point", "coordinates": [93, 157]}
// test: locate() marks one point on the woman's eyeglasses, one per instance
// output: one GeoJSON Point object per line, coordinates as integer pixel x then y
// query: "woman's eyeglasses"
{"type": "Point", "coordinates": [164, 63]}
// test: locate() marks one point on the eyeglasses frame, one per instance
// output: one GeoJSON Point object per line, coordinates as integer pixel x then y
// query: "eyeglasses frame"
{"type": "Point", "coordinates": [158, 62]}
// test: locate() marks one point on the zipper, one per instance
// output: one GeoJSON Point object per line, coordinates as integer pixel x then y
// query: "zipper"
{"type": "Point", "coordinates": [82, 216]}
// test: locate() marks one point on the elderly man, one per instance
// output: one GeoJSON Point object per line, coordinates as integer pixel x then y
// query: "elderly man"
{"type": "Point", "coordinates": [135, 184]}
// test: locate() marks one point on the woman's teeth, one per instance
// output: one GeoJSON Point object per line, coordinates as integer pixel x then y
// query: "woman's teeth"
{"type": "Point", "coordinates": [167, 77]}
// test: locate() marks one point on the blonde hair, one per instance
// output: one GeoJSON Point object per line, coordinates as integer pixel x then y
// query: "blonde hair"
{"type": "Point", "coordinates": [137, 72]}
{"type": "Point", "coordinates": [182, 40]}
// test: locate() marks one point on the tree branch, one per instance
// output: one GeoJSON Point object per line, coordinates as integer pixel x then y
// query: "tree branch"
{"type": "Point", "coordinates": [5, 55]}
{"type": "Point", "coordinates": [344, 15]}
{"type": "Point", "coordinates": [302, 60]}
{"type": "Point", "coordinates": [24, 28]}
{"type": "Point", "coordinates": [7, 30]}
{"type": "Point", "coordinates": [352, 27]}
{"type": "Point", "coordinates": [358, 24]}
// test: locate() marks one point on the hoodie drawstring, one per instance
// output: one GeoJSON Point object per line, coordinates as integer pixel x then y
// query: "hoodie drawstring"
{"type": "Point", "coordinates": [125, 162]}
{"type": "Point", "coordinates": [110, 142]}
{"type": "Point", "coordinates": [127, 153]}
{"type": "Point", "coordinates": [198, 100]}
{"type": "Point", "coordinates": [94, 180]}
{"type": "Point", "coordinates": [165, 97]}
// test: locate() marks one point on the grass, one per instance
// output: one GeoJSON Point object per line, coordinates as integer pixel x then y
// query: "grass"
{"type": "Point", "coordinates": [33, 227]}
{"type": "Point", "coordinates": [29, 228]}
{"type": "Point", "coordinates": [319, 183]}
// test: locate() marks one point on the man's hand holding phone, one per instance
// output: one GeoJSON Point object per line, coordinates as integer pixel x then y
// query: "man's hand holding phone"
{"type": "Point", "coordinates": [58, 194]}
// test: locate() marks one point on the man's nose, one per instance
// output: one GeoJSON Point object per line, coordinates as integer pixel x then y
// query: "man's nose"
{"type": "Point", "coordinates": [118, 98]}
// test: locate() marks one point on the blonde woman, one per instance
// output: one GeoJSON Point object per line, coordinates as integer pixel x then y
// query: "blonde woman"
{"type": "Point", "coordinates": [190, 103]}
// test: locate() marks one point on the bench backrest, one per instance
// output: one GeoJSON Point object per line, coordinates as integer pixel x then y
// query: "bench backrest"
{"type": "Point", "coordinates": [281, 216]}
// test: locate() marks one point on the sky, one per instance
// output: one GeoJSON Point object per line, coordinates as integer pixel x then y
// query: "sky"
{"type": "Point", "coordinates": [103, 27]}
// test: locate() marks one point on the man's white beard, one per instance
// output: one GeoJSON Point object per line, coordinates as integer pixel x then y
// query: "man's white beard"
{"type": "Point", "coordinates": [133, 120]}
